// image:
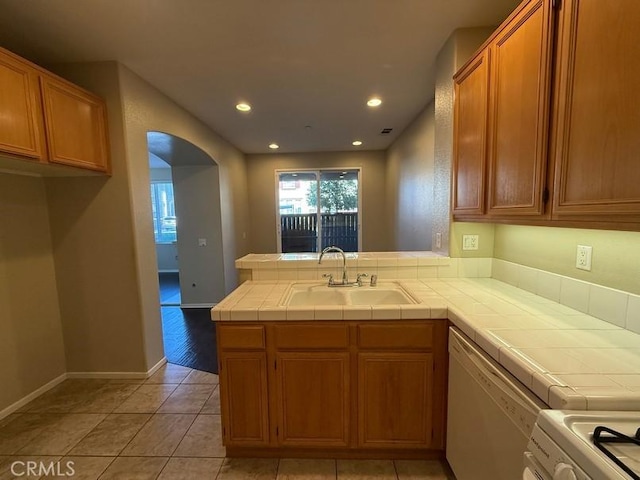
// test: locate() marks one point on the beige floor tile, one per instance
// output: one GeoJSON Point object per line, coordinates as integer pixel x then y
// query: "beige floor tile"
{"type": "Point", "coordinates": [212, 406]}
{"type": "Point", "coordinates": [111, 435]}
{"type": "Point", "coordinates": [169, 373]}
{"type": "Point", "coordinates": [197, 376]}
{"type": "Point", "coordinates": [248, 469]}
{"type": "Point", "coordinates": [306, 469]}
{"type": "Point", "coordinates": [204, 438]}
{"type": "Point", "coordinates": [59, 436]}
{"type": "Point", "coordinates": [146, 399]}
{"type": "Point", "coordinates": [64, 397]}
{"type": "Point", "coordinates": [187, 399]}
{"type": "Point", "coordinates": [421, 470]}
{"type": "Point", "coordinates": [366, 470]}
{"type": "Point", "coordinates": [8, 419]}
{"type": "Point", "coordinates": [134, 468]}
{"type": "Point", "coordinates": [160, 436]}
{"type": "Point", "coordinates": [191, 469]}
{"type": "Point", "coordinates": [81, 468]}
{"type": "Point", "coordinates": [16, 467]}
{"type": "Point", "coordinates": [22, 429]}
{"type": "Point", "coordinates": [106, 398]}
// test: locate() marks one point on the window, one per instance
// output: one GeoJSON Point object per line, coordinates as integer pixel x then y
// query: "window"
{"type": "Point", "coordinates": [164, 212]}
{"type": "Point", "coordinates": [317, 209]}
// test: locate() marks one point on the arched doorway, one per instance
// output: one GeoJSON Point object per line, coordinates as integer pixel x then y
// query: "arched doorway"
{"type": "Point", "coordinates": [186, 214]}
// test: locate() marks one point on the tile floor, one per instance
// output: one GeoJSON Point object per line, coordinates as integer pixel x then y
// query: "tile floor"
{"type": "Point", "coordinates": [166, 428]}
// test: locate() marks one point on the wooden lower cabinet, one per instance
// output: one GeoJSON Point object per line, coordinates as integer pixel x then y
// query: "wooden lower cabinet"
{"type": "Point", "coordinates": [369, 388]}
{"type": "Point", "coordinates": [395, 406]}
{"type": "Point", "coordinates": [313, 398]}
{"type": "Point", "coordinates": [244, 398]}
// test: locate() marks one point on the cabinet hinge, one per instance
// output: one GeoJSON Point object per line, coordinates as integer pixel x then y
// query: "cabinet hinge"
{"type": "Point", "coordinates": [545, 195]}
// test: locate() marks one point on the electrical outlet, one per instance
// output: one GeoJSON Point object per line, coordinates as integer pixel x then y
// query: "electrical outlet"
{"type": "Point", "coordinates": [438, 240]}
{"type": "Point", "coordinates": [583, 257]}
{"type": "Point", "coordinates": [470, 242]}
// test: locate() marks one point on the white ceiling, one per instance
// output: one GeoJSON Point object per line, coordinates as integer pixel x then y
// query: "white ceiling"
{"type": "Point", "coordinates": [299, 63]}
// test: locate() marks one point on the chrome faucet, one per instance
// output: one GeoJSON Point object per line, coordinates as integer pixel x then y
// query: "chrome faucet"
{"type": "Point", "coordinates": [345, 278]}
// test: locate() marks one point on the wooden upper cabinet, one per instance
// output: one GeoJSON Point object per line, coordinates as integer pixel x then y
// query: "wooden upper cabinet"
{"type": "Point", "coordinates": [21, 126]}
{"type": "Point", "coordinates": [470, 126]}
{"type": "Point", "coordinates": [76, 126]}
{"type": "Point", "coordinates": [519, 112]}
{"type": "Point", "coordinates": [597, 122]}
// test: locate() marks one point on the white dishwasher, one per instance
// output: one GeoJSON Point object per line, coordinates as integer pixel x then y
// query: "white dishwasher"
{"type": "Point", "coordinates": [490, 414]}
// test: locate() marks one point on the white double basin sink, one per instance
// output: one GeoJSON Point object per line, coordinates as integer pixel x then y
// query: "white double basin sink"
{"type": "Point", "coordinates": [306, 294]}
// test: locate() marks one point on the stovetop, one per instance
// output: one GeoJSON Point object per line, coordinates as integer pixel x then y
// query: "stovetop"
{"type": "Point", "coordinates": [573, 431]}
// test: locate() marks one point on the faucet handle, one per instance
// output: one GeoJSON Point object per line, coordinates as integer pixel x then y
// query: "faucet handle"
{"type": "Point", "coordinates": [374, 280]}
{"type": "Point", "coordinates": [359, 279]}
{"type": "Point", "coordinates": [329, 276]}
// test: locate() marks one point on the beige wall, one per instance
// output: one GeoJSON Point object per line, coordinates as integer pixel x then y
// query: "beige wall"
{"type": "Point", "coordinates": [103, 231]}
{"type": "Point", "coordinates": [615, 261]}
{"type": "Point", "coordinates": [92, 229]}
{"type": "Point", "coordinates": [410, 164]}
{"type": "Point", "coordinates": [31, 342]}
{"type": "Point", "coordinates": [262, 193]}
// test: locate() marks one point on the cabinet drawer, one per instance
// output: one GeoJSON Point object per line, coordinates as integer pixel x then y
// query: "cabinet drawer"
{"type": "Point", "coordinates": [241, 336]}
{"type": "Point", "coordinates": [402, 335]}
{"type": "Point", "coordinates": [311, 336]}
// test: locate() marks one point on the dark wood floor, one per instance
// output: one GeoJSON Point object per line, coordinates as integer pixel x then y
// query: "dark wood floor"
{"type": "Point", "coordinates": [189, 334]}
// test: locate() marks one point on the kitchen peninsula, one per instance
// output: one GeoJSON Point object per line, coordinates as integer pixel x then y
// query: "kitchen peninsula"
{"type": "Point", "coordinates": [320, 380]}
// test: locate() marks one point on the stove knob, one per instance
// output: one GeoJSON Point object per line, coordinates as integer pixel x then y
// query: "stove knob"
{"type": "Point", "coordinates": [564, 471]}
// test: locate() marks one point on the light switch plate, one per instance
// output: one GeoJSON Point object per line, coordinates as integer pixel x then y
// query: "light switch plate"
{"type": "Point", "coordinates": [470, 242]}
{"type": "Point", "coordinates": [583, 257]}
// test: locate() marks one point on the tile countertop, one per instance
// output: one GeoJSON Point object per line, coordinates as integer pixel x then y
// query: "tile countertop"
{"type": "Point", "coordinates": [567, 358]}
{"type": "Point", "coordinates": [363, 259]}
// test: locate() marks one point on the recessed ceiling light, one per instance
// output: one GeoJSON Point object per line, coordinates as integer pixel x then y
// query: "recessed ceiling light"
{"type": "Point", "coordinates": [356, 143]}
{"type": "Point", "coordinates": [374, 102]}
{"type": "Point", "coordinates": [274, 146]}
{"type": "Point", "coordinates": [243, 107]}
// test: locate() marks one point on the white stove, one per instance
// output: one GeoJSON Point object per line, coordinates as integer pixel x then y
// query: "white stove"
{"type": "Point", "coordinates": [563, 446]}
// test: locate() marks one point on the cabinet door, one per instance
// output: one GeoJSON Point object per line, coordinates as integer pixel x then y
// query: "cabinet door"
{"type": "Point", "coordinates": [313, 398]}
{"type": "Point", "coordinates": [470, 127]}
{"type": "Point", "coordinates": [244, 398]}
{"type": "Point", "coordinates": [76, 126]}
{"type": "Point", "coordinates": [597, 175]}
{"type": "Point", "coordinates": [395, 400]}
{"type": "Point", "coordinates": [21, 128]}
{"type": "Point", "coordinates": [519, 112]}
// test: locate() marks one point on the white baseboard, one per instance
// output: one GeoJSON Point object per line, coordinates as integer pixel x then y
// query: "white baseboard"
{"type": "Point", "coordinates": [56, 381]}
{"type": "Point", "coordinates": [157, 366]}
{"type": "Point", "coordinates": [197, 305]}
{"type": "Point", "coordinates": [36, 393]}
{"type": "Point", "coordinates": [109, 375]}
{"type": "Point", "coordinates": [122, 375]}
